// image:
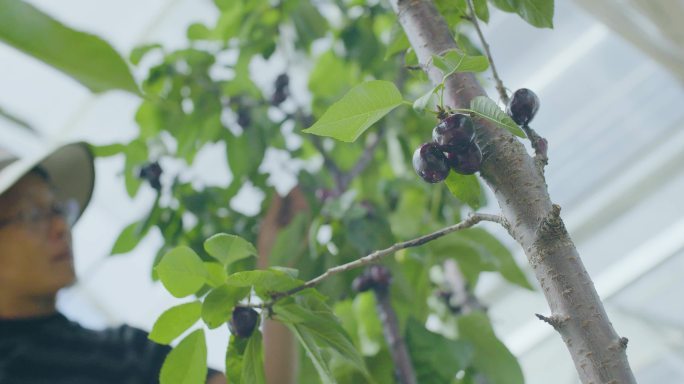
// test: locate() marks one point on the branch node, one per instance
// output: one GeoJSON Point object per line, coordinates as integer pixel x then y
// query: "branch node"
{"type": "Point", "coordinates": [552, 225]}
{"type": "Point", "coordinates": [554, 320]}
{"type": "Point", "coordinates": [540, 146]}
{"type": "Point", "coordinates": [623, 342]}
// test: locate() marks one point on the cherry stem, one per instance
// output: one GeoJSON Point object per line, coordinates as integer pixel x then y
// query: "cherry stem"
{"type": "Point", "coordinates": [499, 84]}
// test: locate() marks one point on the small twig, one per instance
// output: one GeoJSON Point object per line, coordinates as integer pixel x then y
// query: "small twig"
{"type": "Point", "coordinates": [555, 321]}
{"type": "Point", "coordinates": [329, 163]}
{"type": "Point", "coordinates": [363, 161]}
{"type": "Point", "coordinates": [402, 361]}
{"type": "Point", "coordinates": [540, 146]}
{"type": "Point", "coordinates": [499, 84]}
{"type": "Point", "coordinates": [372, 257]}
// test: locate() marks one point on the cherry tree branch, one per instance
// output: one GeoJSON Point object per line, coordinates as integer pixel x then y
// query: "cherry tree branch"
{"type": "Point", "coordinates": [377, 255]}
{"type": "Point", "coordinates": [400, 355]}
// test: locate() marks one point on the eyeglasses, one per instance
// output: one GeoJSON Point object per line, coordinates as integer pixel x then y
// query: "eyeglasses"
{"type": "Point", "coordinates": [37, 217]}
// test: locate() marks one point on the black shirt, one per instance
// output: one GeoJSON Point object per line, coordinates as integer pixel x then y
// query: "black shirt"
{"type": "Point", "coordinates": [54, 350]}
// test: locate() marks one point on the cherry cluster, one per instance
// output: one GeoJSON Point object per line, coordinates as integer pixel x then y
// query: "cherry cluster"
{"type": "Point", "coordinates": [453, 147]}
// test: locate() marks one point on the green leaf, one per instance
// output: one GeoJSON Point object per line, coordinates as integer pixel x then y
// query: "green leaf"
{"type": "Point", "coordinates": [127, 240]}
{"type": "Point", "coordinates": [406, 220]}
{"type": "Point", "coordinates": [264, 281]}
{"type": "Point", "coordinates": [229, 248]}
{"type": "Point", "coordinates": [235, 359]}
{"type": "Point", "coordinates": [421, 103]}
{"type": "Point", "coordinates": [465, 187]}
{"type": "Point", "coordinates": [481, 10]}
{"type": "Point", "coordinates": [370, 331]}
{"type": "Point", "coordinates": [491, 357]}
{"type": "Point", "coordinates": [107, 150]}
{"type": "Point", "coordinates": [174, 321]}
{"type": "Point", "coordinates": [398, 43]}
{"type": "Point", "coordinates": [308, 22]}
{"type": "Point", "coordinates": [292, 272]}
{"type": "Point", "coordinates": [149, 119]}
{"type": "Point", "coordinates": [476, 250]}
{"type": "Point", "coordinates": [312, 317]}
{"type": "Point", "coordinates": [331, 76]}
{"type": "Point", "coordinates": [314, 353]}
{"type": "Point", "coordinates": [456, 61]}
{"type": "Point", "coordinates": [217, 307]}
{"type": "Point", "coordinates": [492, 247]}
{"type": "Point", "coordinates": [198, 31]}
{"type": "Point", "coordinates": [486, 108]}
{"type": "Point", "coordinates": [538, 13]}
{"type": "Point", "coordinates": [253, 360]}
{"type": "Point", "coordinates": [290, 241]}
{"type": "Point", "coordinates": [181, 271]}
{"type": "Point", "coordinates": [368, 233]}
{"type": "Point", "coordinates": [85, 57]}
{"type": "Point", "coordinates": [216, 274]}
{"type": "Point", "coordinates": [360, 108]}
{"type": "Point", "coordinates": [435, 358]}
{"type": "Point", "coordinates": [504, 5]}
{"type": "Point", "coordinates": [136, 155]}
{"type": "Point", "coordinates": [140, 51]}
{"type": "Point", "coordinates": [187, 363]}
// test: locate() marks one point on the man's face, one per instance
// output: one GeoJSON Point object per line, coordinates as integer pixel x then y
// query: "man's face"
{"type": "Point", "coordinates": [35, 245]}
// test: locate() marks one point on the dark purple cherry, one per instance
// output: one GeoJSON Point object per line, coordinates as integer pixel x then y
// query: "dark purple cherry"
{"type": "Point", "coordinates": [466, 161]}
{"type": "Point", "coordinates": [278, 97]}
{"type": "Point", "coordinates": [282, 81]}
{"type": "Point", "coordinates": [362, 283]}
{"type": "Point", "coordinates": [380, 275]}
{"type": "Point", "coordinates": [244, 117]}
{"type": "Point", "coordinates": [152, 173]}
{"type": "Point", "coordinates": [430, 163]}
{"type": "Point", "coordinates": [243, 322]}
{"type": "Point", "coordinates": [523, 105]}
{"type": "Point", "coordinates": [454, 131]}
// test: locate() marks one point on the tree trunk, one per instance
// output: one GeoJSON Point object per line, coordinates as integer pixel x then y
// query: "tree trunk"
{"type": "Point", "coordinates": [535, 223]}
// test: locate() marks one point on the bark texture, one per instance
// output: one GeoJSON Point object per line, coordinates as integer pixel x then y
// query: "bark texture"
{"type": "Point", "coordinates": [534, 222]}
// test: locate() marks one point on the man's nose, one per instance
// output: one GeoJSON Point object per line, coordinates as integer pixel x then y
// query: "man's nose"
{"type": "Point", "coordinates": [58, 226]}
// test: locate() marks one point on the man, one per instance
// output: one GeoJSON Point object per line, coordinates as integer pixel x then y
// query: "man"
{"type": "Point", "coordinates": [40, 199]}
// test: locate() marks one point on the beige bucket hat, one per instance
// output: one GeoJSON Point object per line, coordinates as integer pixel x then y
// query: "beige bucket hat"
{"type": "Point", "coordinates": [70, 167]}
